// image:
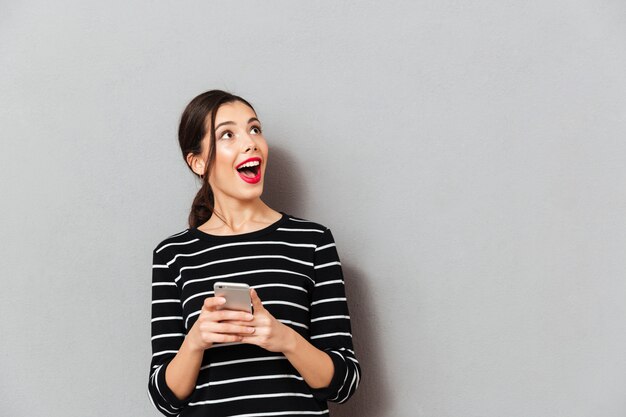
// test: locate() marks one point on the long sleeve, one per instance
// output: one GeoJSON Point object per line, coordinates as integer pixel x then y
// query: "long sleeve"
{"type": "Point", "coordinates": [168, 334]}
{"type": "Point", "coordinates": [330, 329]}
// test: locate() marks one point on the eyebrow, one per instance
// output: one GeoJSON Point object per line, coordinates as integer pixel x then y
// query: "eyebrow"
{"type": "Point", "coordinates": [232, 123]}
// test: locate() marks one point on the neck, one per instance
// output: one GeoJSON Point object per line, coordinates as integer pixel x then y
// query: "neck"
{"type": "Point", "coordinates": [235, 214]}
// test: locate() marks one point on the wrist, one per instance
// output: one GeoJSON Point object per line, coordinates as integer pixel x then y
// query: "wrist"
{"type": "Point", "coordinates": [291, 340]}
{"type": "Point", "coordinates": [189, 345]}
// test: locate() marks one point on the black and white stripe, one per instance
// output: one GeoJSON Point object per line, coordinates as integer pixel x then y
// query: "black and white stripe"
{"type": "Point", "coordinates": [294, 266]}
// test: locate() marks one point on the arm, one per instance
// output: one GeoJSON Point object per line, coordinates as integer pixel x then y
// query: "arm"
{"type": "Point", "coordinates": [315, 366]}
{"type": "Point", "coordinates": [183, 370]}
{"type": "Point", "coordinates": [177, 357]}
{"type": "Point", "coordinates": [330, 329]}
{"type": "Point", "coordinates": [168, 335]}
{"type": "Point", "coordinates": [327, 362]}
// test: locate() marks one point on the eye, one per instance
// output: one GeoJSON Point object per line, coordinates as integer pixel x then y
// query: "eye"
{"type": "Point", "coordinates": [258, 128]}
{"type": "Point", "coordinates": [225, 133]}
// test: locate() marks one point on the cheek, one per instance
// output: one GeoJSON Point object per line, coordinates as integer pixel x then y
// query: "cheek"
{"type": "Point", "coordinates": [264, 147]}
{"type": "Point", "coordinates": [224, 159]}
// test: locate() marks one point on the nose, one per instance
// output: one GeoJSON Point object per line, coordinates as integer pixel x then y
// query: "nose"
{"type": "Point", "coordinates": [249, 145]}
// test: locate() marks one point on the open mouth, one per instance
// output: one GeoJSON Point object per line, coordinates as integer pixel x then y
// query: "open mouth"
{"type": "Point", "coordinates": [250, 170]}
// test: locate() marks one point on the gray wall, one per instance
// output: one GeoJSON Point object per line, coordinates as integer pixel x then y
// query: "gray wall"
{"type": "Point", "coordinates": [468, 156]}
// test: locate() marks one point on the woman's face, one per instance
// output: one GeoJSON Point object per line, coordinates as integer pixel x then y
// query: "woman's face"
{"type": "Point", "coordinates": [238, 141]}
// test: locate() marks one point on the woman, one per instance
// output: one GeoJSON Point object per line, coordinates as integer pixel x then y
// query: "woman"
{"type": "Point", "coordinates": [294, 352]}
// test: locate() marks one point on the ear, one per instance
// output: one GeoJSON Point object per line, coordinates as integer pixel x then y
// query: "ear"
{"type": "Point", "coordinates": [195, 163]}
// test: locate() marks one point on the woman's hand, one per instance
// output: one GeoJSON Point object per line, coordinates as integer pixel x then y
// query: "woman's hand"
{"type": "Point", "coordinates": [269, 333]}
{"type": "Point", "coordinates": [218, 326]}
{"type": "Point", "coordinates": [315, 366]}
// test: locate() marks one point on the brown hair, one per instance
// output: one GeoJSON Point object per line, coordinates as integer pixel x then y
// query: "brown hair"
{"type": "Point", "coordinates": [192, 129]}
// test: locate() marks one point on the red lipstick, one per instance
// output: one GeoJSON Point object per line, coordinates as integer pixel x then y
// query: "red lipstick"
{"type": "Point", "coordinates": [255, 179]}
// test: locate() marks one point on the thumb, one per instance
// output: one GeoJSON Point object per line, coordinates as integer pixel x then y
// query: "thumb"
{"type": "Point", "coordinates": [256, 301]}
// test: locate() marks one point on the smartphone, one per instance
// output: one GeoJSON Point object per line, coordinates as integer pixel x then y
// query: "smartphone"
{"type": "Point", "coordinates": [237, 295]}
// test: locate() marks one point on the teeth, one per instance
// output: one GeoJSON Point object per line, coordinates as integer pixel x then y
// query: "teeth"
{"type": "Point", "coordinates": [249, 164]}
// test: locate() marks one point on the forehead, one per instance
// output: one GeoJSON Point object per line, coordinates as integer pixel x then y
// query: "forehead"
{"type": "Point", "coordinates": [235, 111]}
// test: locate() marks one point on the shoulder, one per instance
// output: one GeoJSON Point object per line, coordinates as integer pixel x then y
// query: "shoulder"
{"type": "Point", "coordinates": [172, 241]}
{"type": "Point", "coordinates": [311, 231]}
{"type": "Point", "coordinates": [301, 224]}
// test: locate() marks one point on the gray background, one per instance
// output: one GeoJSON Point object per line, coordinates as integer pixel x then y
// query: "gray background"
{"type": "Point", "coordinates": [468, 156]}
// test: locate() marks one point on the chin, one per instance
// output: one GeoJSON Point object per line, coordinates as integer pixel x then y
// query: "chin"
{"type": "Point", "coordinates": [251, 195]}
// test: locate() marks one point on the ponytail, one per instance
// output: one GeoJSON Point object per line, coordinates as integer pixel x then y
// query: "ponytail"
{"type": "Point", "coordinates": [202, 206]}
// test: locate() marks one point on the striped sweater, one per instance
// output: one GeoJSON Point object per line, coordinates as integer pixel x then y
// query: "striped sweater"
{"type": "Point", "coordinates": [294, 266]}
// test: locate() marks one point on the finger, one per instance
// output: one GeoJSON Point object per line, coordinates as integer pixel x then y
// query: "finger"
{"type": "Point", "coordinates": [251, 339]}
{"type": "Point", "coordinates": [222, 315]}
{"type": "Point", "coordinates": [211, 303]}
{"type": "Point", "coordinates": [240, 323]}
{"type": "Point", "coordinates": [229, 328]}
{"type": "Point", "coordinates": [226, 338]}
{"type": "Point", "coordinates": [256, 301]}
{"type": "Point", "coordinates": [219, 329]}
